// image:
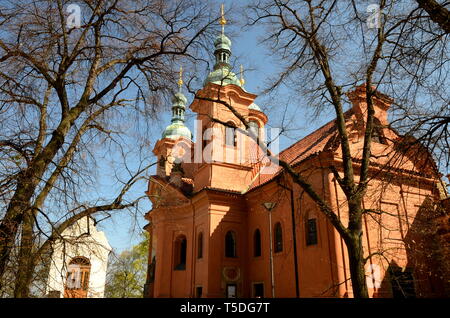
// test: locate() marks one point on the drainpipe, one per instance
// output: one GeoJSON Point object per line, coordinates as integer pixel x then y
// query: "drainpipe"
{"type": "Point", "coordinates": [294, 237]}
{"type": "Point", "coordinates": [272, 278]}
{"type": "Point", "coordinates": [193, 254]}
{"type": "Point", "coordinates": [269, 206]}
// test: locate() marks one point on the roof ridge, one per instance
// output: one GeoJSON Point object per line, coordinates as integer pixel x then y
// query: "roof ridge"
{"type": "Point", "coordinates": [346, 113]}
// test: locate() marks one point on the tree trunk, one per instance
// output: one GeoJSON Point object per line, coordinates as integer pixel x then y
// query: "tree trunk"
{"type": "Point", "coordinates": [23, 282]}
{"type": "Point", "coordinates": [438, 13]}
{"type": "Point", "coordinates": [25, 266]}
{"type": "Point", "coordinates": [356, 263]}
{"type": "Point", "coordinates": [25, 189]}
{"type": "Point", "coordinates": [10, 223]}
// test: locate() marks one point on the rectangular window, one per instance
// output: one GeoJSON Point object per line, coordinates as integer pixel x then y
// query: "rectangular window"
{"type": "Point", "coordinates": [231, 290]}
{"type": "Point", "coordinates": [180, 253]}
{"type": "Point", "coordinates": [230, 136]}
{"type": "Point", "coordinates": [258, 290]}
{"type": "Point", "coordinates": [311, 232]}
{"type": "Point", "coordinates": [199, 292]}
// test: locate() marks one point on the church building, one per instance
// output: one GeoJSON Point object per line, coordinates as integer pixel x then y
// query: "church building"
{"type": "Point", "coordinates": [228, 222]}
{"type": "Point", "coordinates": [79, 262]}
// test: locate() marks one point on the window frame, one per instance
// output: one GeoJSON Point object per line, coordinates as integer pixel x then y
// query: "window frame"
{"type": "Point", "coordinates": [257, 245]}
{"type": "Point", "coordinates": [310, 240]}
{"type": "Point", "coordinates": [197, 289]}
{"type": "Point", "coordinates": [230, 130]}
{"type": "Point", "coordinates": [278, 238]}
{"type": "Point", "coordinates": [233, 248]}
{"type": "Point", "coordinates": [200, 245]}
{"type": "Point", "coordinates": [77, 277]}
{"type": "Point", "coordinates": [180, 253]}
{"type": "Point", "coordinates": [254, 291]}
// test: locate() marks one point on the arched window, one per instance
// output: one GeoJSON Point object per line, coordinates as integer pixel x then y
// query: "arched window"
{"type": "Point", "coordinates": [180, 253]}
{"type": "Point", "coordinates": [230, 244]}
{"type": "Point", "coordinates": [200, 245]}
{"type": "Point", "coordinates": [77, 280]}
{"type": "Point", "coordinates": [254, 129]}
{"type": "Point", "coordinates": [257, 243]}
{"type": "Point", "coordinates": [278, 244]}
{"type": "Point", "coordinates": [230, 135]}
{"type": "Point", "coordinates": [311, 232]}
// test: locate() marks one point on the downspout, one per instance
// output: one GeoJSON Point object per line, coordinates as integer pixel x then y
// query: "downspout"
{"type": "Point", "coordinates": [272, 276]}
{"type": "Point", "coordinates": [194, 260]}
{"type": "Point", "coordinates": [294, 237]}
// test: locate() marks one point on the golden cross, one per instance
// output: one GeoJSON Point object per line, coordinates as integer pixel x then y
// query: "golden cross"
{"type": "Point", "coordinates": [242, 76]}
{"type": "Point", "coordinates": [222, 19]}
{"type": "Point", "coordinates": [180, 80]}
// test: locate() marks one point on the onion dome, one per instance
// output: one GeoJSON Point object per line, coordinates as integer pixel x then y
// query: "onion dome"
{"type": "Point", "coordinates": [177, 128]}
{"type": "Point", "coordinates": [222, 74]}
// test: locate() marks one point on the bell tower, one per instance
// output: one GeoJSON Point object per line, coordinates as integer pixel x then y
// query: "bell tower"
{"type": "Point", "coordinates": [175, 133]}
{"type": "Point", "coordinates": [224, 153]}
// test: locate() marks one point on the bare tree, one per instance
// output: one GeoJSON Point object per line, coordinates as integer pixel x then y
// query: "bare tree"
{"type": "Point", "coordinates": [438, 13]}
{"type": "Point", "coordinates": [70, 75]}
{"type": "Point", "coordinates": [313, 40]}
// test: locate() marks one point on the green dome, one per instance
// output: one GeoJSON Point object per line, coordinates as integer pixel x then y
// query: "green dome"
{"type": "Point", "coordinates": [222, 42]}
{"type": "Point", "coordinates": [179, 100]}
{"type": "Point", "coordinates": [176, 130]}
{"type": "Point", "coordinates": [222, 76]}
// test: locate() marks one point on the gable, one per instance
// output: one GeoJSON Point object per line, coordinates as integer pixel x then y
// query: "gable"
{"type": "Point", "coordinates": [163, 193]}
{"type": "Point", "coordinates": [399, 152]}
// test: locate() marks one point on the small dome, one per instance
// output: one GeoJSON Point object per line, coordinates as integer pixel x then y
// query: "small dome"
{"type": "Point", "coordinates": [176, 130]}
{"type": "Point", "coordinates": [254, 107]}
{"type": "Point", "coordinates": [179, 99]}
{"type": "Point", "coordinates": [222, 42]}
{"type": "Point", "coordinates": [222, 76]}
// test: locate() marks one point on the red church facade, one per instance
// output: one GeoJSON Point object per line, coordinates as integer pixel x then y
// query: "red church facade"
{"type": "Point", "coordinates": [221, 226]}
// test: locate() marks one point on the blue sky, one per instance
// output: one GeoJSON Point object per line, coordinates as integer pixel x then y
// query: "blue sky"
{"type": "Point", "coordinates": [123, 229]}
{"type": "Point", "coordinates": [286, 109]}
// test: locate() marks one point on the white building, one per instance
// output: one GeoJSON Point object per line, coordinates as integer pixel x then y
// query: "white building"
{"type": "Point", "coordinates": [79, 262]}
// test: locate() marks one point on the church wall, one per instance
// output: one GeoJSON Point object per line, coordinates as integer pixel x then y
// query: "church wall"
{"type": "Point", "coordinates": [283, 263]}
{"type": "Point", "coordinates": [170, 224]}
{"type": "Point", "coordinates": [391, 232]}
{"type": "Point", "coordinates": [200, 265]}
{"type": "Point", "coordinates": [227, 213]}
{"type": "Point", "coordinates": [229, 177]}
{"type": "Point", "coordinates": [315, 263]}
{"type": "Point", "coordinates": [392, 225]}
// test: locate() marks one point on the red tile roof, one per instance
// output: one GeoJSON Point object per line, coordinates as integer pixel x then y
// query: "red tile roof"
{"type": "Point", "coordinates": [320, 140]}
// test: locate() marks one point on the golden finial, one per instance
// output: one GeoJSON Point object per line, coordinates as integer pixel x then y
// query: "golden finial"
{"type": "Point", "coordinates": [222, 18]}
{"type": "Point", "coordinates": [242, 76]}
{"type": "Point", "coordinates": [180, 80]}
